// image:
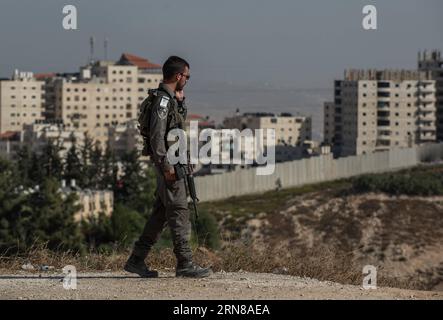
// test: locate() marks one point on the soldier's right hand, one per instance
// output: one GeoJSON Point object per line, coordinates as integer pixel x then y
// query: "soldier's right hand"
{"type": "Point", "coordinates": [169, 175]}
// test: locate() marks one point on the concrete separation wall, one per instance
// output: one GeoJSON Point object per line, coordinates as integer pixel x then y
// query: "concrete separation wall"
{"type": "Point", "coordinates": [312, 170]}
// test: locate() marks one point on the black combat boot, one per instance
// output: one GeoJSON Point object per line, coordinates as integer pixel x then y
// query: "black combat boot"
{"type": "Point", "coordinates": [138, 266]}
{"type": "Point", "coordinates": [191, 270]}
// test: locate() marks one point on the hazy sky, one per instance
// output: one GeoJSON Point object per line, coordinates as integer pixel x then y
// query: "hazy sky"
{"type": "Point", "coordinates": [298, 44]}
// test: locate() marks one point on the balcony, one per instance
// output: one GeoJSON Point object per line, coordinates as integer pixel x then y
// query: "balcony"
{"type": "Point", "coordinates": [427, 98]}
{"type": "Point", "coordinates": [427, 89]}
{"type": "Point", "coordinates": [426, 116]}
{"type": "Point", "coordinates": [383, 115]}
{"type": "Point", "coordinates": [382, 143]}
{"type": "Point", "coordinates": [426, 106]}
{"type": "Point", "coordinates": [385, 133]}
{"type": "Point", "coordinates": [383, 105]}
{"type": "Point", "coordinates": [426, 128]}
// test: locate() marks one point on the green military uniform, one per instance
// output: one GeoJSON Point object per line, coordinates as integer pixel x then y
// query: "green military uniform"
{"type": "Point", "coordinates": [170, 206]}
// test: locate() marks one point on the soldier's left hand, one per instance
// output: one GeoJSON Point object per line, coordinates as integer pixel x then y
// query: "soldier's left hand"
{"type": "Point", "coordinates": [179, 95]}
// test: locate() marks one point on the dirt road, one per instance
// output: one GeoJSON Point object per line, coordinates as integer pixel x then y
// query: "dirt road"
{"type": "Point", "coordinates": [243, 285]}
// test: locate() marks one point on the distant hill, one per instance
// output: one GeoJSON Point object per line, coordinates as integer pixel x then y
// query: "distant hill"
{"type": "Point", "coordinates": [399, 234]}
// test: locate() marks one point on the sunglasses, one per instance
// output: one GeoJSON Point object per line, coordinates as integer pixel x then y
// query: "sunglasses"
{"type": "Point", "coordinates": [188, 76]}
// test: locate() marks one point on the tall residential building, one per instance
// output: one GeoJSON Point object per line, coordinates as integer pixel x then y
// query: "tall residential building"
{"type": "Point", "coordinates": [22, 100]}
{"type": "Point", "coordinates": [103, 94]}
{"type": "Point", "coordinates": [289, 129]}
{"type": "Point", "coordinates": [329, 123]}
{"type": "Point", "coordinates": [433, 62]}
{"type": "Point", "coordinates": [376, 110]}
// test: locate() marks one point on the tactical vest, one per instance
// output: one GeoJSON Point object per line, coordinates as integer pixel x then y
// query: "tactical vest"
{"type": "Point", "coordinates": [174, 119]}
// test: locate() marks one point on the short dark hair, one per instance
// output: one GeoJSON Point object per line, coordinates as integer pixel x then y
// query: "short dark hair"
{"type": "Point", "coordinates": [173, 66]}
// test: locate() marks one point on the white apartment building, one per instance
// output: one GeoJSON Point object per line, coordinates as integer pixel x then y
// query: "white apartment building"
{"type": "Point", "coordinates": [433, 63]}
{"type": "Point", "coordinates": [21, 101]}
{"type": "Point", "coordinates": [329, 123]}
{"type": "Point", "coordinates": [377, 110]}
{"type": "Point", "coordinates": [289, 129]}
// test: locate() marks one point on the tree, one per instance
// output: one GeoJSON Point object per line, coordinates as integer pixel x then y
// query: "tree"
{"type": "Point", "coordinates": [24, 165]}
{"type": "Point", "coordinates": [127, 225]}
{"type": "Point", "coordinates": [73, 170]}
{"type": "Point", "coordinates": [95, 171]}
{"type": "Point", "coordinates": [98, 232]}
{"type": "Point", "coordinates": [130, 188]}
{"type": "Point", "coordinates": [110, 170]}
{"type": "Point", "coordinates": [37, 173]}
{"type": "Point", "coordinates": [51, 161]}
{"type": "Point", "coordinates": [52, 218]}
{"type": "Point", "coordinates": [14, 214]}
{"type": "Point", "coordinates": [86, 151]}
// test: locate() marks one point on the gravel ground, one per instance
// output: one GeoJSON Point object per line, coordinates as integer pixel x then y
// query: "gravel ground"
{"type": "Point", "coordinates": [221, 285]}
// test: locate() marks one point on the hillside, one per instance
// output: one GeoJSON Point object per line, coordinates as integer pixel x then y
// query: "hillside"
{"type": "Point", "coordinates": [330, 223]}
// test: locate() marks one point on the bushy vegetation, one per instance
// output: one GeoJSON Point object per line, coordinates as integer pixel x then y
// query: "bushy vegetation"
{"type": "Point", "coordinates": [34, 211]}
{"type": "Point", "coordinates": [410, 182]}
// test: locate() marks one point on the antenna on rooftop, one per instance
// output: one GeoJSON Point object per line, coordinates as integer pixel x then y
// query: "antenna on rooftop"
{"type": "Point", "coordinates": [91, 44]}
{"type": "Point", "coordinates": [106, 48]}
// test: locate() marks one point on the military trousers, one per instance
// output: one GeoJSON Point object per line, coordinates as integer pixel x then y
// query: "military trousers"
{"type": "Point", "coordinates": [170, 208]}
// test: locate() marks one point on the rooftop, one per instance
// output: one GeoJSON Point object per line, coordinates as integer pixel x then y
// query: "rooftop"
{"type": "Point", "coordinates": [141, 63]}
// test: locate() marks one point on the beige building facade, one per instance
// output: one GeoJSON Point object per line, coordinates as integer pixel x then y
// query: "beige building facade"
{"type": "Point", "coordinates": [104, 94]}
{"type": "Point", "coordinates": [377, 110]}
{"type": "Point", "coordinates": [289, 129]}
{"type": "Point", "coordinates": [22, 100]}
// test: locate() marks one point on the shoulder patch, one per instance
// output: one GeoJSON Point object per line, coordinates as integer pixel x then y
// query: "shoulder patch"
{"type": "Point", "coordinates": [164, 102]}
{"type": "Point", "coordinates": [162, 111]}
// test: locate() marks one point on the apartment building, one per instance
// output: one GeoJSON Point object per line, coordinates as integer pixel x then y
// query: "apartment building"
{"type": "Point", "coordinates": [38, 134]}
{"type": "Point", "coordinates": [91, 202]}
{"type": "Point", "coordinates": [433, 63]}
{"type": "Point", "coordinates": [22, 100]}
{"type": "Point", "coordinates": [104, 94]}
{"type": "Point", "coordinates": [377, 110]}
{"type": "Point", "coordinates": [124, 138]}
{"type": "Point", "coordinates": [10, 143]}
{"type": "Point", "coordinates": [289, 129]}
{"type": "Point", "coordinates": [329, 123]}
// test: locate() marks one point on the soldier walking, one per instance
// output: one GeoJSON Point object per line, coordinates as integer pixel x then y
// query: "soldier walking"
{"type": "Point", "coordinates": [165, 110]}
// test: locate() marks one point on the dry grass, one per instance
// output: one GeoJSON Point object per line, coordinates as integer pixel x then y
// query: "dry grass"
{"type": "Point", "coordinates": [320, 263]}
